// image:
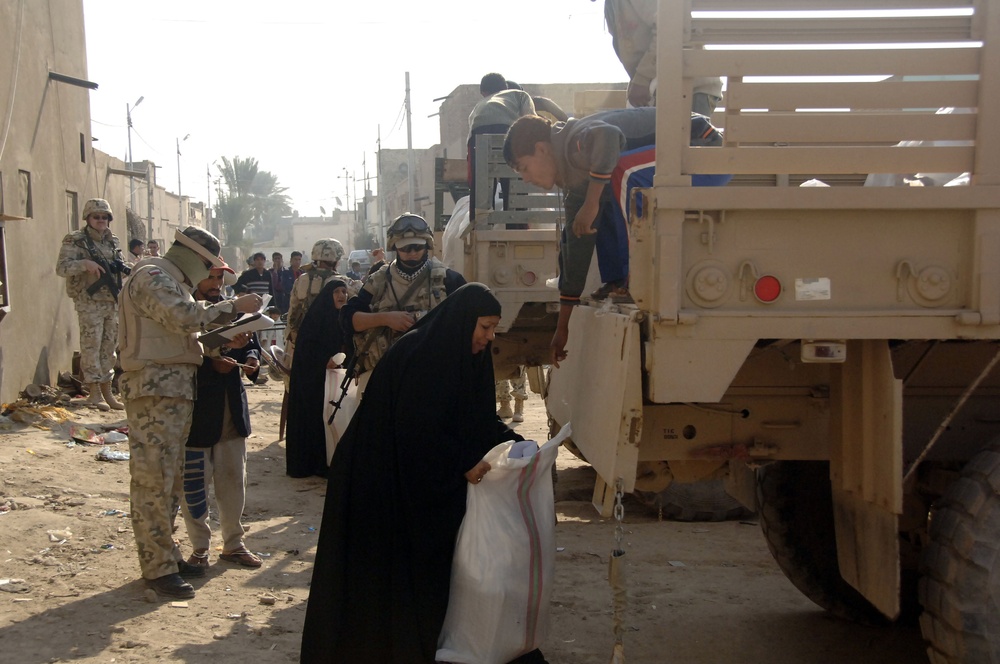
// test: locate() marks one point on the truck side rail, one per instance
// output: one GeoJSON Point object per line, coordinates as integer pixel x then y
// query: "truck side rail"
{"type": "Point", "coordinates": [527, 204]}
{"type": "Point", "coordinates": [885, 77]}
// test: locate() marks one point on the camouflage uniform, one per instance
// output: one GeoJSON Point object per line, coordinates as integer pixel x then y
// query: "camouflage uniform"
{"type": "Point", "coordinates": [160, 354]}
{"type": "Point", "coordinates": [515, 387]}
{"type": "Point", "coordinates": [304, 291]}
{"type": "Point", "coordinates": [97, 313]}
{"type": "Point", "coordinates": [327, 251]}
{"type": "Point", "coordinates": [384, 287]}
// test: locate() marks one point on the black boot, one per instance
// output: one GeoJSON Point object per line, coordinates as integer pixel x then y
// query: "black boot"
{"type": "Point", "coordinates": [188, 571]}
{"type": "Point", "coordinates": [171, 586]}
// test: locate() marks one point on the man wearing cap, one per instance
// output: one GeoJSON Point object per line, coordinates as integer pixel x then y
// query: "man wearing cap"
{"type": "Point", "coordinates": [91, 262]}
{"type": "Point", "coordinates": [395, 296]}
{"type": "Point", "coordinates": [160, 355]}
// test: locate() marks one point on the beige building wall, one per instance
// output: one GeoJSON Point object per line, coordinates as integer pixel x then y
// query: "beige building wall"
{"type": "Point", "coordinates": [47, 171]}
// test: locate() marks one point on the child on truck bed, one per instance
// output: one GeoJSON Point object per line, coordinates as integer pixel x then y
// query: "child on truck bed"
{"type": "Point", "coordinates": [583, 156]}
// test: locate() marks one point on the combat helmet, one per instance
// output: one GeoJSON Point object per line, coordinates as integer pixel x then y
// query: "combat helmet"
{"type": "Point", "coordinates": [327, 249]}
{"type": "Point", "coordinates": [97, 205]}
{"type": "Point", "coordinates": [409, 228]}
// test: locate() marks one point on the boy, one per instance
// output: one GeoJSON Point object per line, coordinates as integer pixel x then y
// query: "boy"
{"type": "Point", "coordinates": [583, 156]}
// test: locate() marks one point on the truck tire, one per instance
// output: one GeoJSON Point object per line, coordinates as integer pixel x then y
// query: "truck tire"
{"type": "Point", "coordinates": [960, 582]}
{"type": "Point", "coordinates": [697, 501]}
{"type": "Point", "coordinates": [795, 509]}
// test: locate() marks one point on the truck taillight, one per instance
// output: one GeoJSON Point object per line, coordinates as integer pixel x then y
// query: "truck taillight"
{"type": "Point", "coordinates": [767, 289]}
{"type": "Point", "coordinates": [528, 278]}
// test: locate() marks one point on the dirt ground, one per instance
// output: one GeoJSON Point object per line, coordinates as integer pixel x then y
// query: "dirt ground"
{"type": "Point", "coordinates": [698, 593]}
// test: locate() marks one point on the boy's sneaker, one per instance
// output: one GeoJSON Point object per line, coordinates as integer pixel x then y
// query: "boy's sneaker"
{"type": "Point", "coordinates": [171, 586]}
{"type": "Point", "coordinates": [615, 291]}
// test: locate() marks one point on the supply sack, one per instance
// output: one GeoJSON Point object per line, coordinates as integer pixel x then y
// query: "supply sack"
{"type": "Point", "coordinates": [504, 564]}
{"type": "Point", "coordinates": [334, 430]}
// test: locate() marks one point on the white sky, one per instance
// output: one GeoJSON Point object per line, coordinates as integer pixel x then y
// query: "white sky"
{"type": "Point", "coordinates": [304, 85]}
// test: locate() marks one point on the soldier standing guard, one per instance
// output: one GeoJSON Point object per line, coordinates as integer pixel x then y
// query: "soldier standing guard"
{"type": "Point", "coordinates": [399, 293]}
{"type": "Point", "coordinates": [91, 262]}
{"type": "Point", "coordinates": [326, 254]}
{"type": "Point", "coordinates": [160, 354]}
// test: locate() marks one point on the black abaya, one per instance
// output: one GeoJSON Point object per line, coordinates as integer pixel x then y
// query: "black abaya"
{"type": "Point", "coordinates": [320, 337]}
{"type": "Point", "coordinates": [397, 492]}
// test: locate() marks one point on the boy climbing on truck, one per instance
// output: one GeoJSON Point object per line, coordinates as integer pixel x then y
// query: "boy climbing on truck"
{"type": "Point", "coordinates": [583, 156]}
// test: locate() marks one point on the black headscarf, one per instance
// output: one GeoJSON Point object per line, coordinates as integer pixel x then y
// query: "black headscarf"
{"type": "Point", "coordinates": [320, 337]}
{"type": "Point", "coordinates": [397, 490]}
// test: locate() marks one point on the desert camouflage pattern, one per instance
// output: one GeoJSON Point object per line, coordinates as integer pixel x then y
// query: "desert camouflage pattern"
{"type": "Point", "coordinates": [156, 294]}
{"type": "Point", "coordinates": [158, 429]}
{"type": "Point", "coordinates": [98, 338]}
{"type": "Point", "coordinates": [372, 344]}
{"type": "Point", "coordinates": [515, 387]}
{"type": "Point", "coordinates": [74, 251]}
{"type": "Point", "coordinates": [304, 291]}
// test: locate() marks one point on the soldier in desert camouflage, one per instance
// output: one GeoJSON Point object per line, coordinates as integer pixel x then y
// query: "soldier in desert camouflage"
{"type": "Point", "coordinates": [91, 262]}
{"type": "Point", "coordinates": [160, 355]}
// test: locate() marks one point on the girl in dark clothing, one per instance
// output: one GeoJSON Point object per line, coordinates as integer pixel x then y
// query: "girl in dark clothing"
{"type": "Point", "coordinates": [397, 490]}
{"type": "Point", "coordinates": [320, 337]}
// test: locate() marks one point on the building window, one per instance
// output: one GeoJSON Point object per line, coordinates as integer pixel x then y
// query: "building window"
{"type": "Point", "coordinates": [25, 207]}
{"type": "Point", "coordinates": [72, 212]}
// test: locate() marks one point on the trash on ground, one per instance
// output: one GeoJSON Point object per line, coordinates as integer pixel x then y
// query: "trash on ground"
{"type": "Point", "coordinates": [14, 586]}
{"type": "Point", "coordinates": [115, 437]}
{"type": "Point", "coordinates": [108, 454]}
{"type": "Point", "coordinates": [85, 436]}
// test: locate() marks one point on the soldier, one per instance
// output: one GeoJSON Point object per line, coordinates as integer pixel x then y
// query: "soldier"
{"type": "Point", "coordinates": [91, 262]}
{"type": "Point", "coordinates": [399, 293]}
{"type": "Point", "coordinates": [325, 256]}
{"type": "Point", "coordinates": [160, 354]}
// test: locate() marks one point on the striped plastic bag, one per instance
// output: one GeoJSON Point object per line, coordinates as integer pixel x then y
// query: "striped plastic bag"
{"type": "Point", "coordinates": [504, 564]}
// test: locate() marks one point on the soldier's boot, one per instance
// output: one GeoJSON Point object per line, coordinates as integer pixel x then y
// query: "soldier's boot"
{"type": "Point", "coordinates": [96, 399]}
{"type": "Point", "coordinates": [109, 396]}
{"type": "Point", "coordinates": [518, 410]}
{"type": "Point", "coordinates": [505, 413]}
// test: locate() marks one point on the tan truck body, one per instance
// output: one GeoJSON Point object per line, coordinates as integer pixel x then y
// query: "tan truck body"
{"type": "Point", "coordinates": [876, 351]}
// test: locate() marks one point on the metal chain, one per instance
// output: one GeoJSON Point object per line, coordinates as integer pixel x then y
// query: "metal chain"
{"type": "Point", "coordinates": [619, 514]}
{"type": "Point", "coordinates": [616, 577]}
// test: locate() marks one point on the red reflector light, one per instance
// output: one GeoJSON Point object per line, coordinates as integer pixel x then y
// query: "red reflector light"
{"type": "Point", "coordinates": [528, 278]}
{"type": "Point", "coordinates": [767, 289]}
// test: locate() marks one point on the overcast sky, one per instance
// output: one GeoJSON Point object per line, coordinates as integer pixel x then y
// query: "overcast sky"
{"type": "Point", "coordinates": [304, 85]}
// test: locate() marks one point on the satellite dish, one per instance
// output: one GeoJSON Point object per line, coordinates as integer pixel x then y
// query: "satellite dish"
{"type": "Point", "coordinates": [322, 210]}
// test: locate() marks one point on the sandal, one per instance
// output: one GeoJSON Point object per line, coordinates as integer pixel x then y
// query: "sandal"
{"type": "Point", "coordinates": [242, 557]}
{"type": "Point", "coordinates": [198, 558]}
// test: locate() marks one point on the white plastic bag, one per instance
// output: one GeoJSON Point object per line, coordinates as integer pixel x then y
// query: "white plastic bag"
{"type": "Point", "coordinates": [334, 377]}
{"type": "Point", "coordinates": [504, 565]}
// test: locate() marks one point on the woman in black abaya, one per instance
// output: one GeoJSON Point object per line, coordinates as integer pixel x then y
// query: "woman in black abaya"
{"type": "Point", "coordinates": [320, 338]}
{"type": "Point", "coordinates": [397, 490]}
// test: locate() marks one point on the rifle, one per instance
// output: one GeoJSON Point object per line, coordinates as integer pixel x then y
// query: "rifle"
{"type": "Point", "coordinates": [117, 267]}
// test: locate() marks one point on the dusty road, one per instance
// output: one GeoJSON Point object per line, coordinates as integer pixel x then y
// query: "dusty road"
{"type": "Point", "coordinates": [698, 593]}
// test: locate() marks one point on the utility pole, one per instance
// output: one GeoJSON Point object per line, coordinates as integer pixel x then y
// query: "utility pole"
{"type": "Point", "coordinates": [409, 148]}
{"type": "Point", "coordinates": [381, 196]}
{"type": "Point", "coordinates": [208, 206]}
{"type": "Point", "coordinates": [180, 201]}
{"type": "Point", "coordinates": [131, 180]}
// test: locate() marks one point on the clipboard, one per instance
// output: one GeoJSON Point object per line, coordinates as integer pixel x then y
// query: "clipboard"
{"type": "Point", "coordinates": [245, 324]}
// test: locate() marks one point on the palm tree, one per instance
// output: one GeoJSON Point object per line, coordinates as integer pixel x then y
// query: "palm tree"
{"type": "Point", "coordinates": [252, 198]}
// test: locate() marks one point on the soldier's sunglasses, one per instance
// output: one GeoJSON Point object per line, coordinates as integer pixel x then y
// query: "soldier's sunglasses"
{"type": "Point", "coordinates": [100, 217]}
{"type": "Point", "coordinates": [411, 248]}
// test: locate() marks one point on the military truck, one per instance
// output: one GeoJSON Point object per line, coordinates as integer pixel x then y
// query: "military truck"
{"type": "Point", "coordinates": [829, 351]}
